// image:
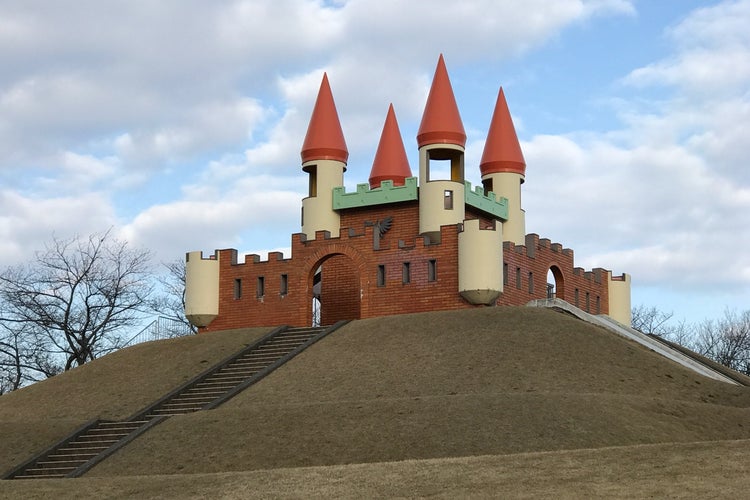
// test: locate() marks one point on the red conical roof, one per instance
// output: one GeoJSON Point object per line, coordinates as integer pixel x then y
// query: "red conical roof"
{"type": "Point", "coordinates": [502, 152]}
{"type": "Point", "coordinates": [441, 121]}
{"type": "Point", "coordinates": [390, 163]}
{"type": "Point", "coordinates": [324, 139]}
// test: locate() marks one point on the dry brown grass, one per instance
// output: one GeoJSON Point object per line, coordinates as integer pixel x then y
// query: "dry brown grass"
{"type": "Point", "coordinates": [693, 470]}
{"type": "Point", "coordinates": [113, 387]}
{"type": "Point", "coordinates": [414, 400]}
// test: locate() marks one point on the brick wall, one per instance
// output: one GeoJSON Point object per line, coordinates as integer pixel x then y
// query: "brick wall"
{"type": "Point", "coordinates": [587, 290]}
{"type": "Point", "coordinates": [350, 287]}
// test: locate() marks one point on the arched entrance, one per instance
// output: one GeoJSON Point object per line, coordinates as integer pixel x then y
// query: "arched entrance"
{"type": "Point", "coordinates": [334, 282]}
{"type": "Point", "coordinates": [555, 283]}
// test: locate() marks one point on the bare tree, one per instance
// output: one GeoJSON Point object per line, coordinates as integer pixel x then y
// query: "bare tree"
{"type": "Point", "coordinates": [75, 298]}
{"type": "Point", "coordinates": [24, 357]}
{"type": "Point", "coordinates": [727, 340]}
{"type": "Point", "coordinates": [651, 320]}
{"type": "Point", "coordinates": [170, 303]}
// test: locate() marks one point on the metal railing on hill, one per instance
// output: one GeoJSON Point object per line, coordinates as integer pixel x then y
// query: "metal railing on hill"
{"type": "Point", "coordinates": [159, 329]}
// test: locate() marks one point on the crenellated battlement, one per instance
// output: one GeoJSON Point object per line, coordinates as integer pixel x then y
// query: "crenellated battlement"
{"type": "Point", "coordinates": [490, 202]}
{"type": "Point", "coordinates": [365, 196]}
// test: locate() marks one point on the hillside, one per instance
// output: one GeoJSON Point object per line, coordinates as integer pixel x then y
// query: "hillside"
{"type": "Point", "coordinates": [433, 386]}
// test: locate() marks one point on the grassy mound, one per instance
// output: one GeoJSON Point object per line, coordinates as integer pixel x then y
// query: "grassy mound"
{"type": "Point", "coordinates": [694, 470]}
{"type": "Point", "coordinates": [403, 393]}
{"type": "Point", "coordinates": [113, 387]}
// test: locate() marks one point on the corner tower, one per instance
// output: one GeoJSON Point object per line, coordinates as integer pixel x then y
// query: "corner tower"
{"type": "Point", "coordinates": [504, 169]}
{"type": "Point", "coordinates": [324, 155]}
{"type": "Point", "coordinates": [441, 138]}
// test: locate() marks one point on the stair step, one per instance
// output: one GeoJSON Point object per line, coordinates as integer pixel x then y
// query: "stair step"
{"type": "Point", "coordinates": [48, 471]}
{"type": "Point", "coordinates": [57, 464]}
{"type": "Point", "coordinates": [273, 348]}
{"type": "Point", "coordinates": [252, 364]}
{"type": "Point", "coordinates": [87, 450]}
{"type": "Point", "coordinates": [110, 432]}
{"type": "Point", "coordinates": [228, 378]}
{"type": "Point", "coordinates": [187, 404]}
{"type": "Point", "coordinates": [125, 427]}
{"type": "Point", "coordinates": [106, 443]}
{"type": "Point", "coordinates": [73, 457]}
{"type": "Point", "coordinates": [102, 436]}
{"type": "Point", "coordinates": [201, 390]}
{"type": "Point", "coordinates": [214, 384]}
{"type": "Point", "coordinates": [172, 411]}
{"type": "Point", "coordinates": [287, 341]}
{"type": "Point", "coordinates": [39, 476]}
{"type": "Point", "coordinates": [236, 367]}
{"type": "Point", "coordinates": [191, 397]}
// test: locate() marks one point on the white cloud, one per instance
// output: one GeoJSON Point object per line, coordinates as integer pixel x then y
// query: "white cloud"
{"type": "Point", "coordinates": [713, 45]}
{"type": "Point", "coordinates": [26, 223]}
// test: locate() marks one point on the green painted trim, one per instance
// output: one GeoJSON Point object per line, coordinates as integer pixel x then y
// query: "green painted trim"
{"type": "Point", "coordinates": [487, 203]}
{"type": "Point", "coordinates": [364, 196]}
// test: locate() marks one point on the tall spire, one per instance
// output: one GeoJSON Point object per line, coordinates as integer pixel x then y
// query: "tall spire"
{"type": "Point", "coordinates": [441, 121]}
{"type": "Point", "coordinates": [390, 163]}
{"type": "Point", "coordinates": [502, 152]}
{"type": "Point", "coordinates": [324, 139]}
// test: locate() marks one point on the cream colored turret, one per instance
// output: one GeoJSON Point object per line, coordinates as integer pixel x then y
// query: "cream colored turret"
{"type": "Point", "coordinates": [201, 289]}
{"type": "Point", "coordinates": [504, 168]}
{"type": "Point", "coordinates": [324, 155]}
{"type": "Point", "coordinates": [441, 136]}
{"type": "Point", "coordinates": [480, 263]}
{"type": "Point", "coordinates": [619, 298]}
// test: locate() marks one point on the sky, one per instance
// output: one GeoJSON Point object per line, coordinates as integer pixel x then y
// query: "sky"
{"type": "Point", "coordinates": [179, 123]}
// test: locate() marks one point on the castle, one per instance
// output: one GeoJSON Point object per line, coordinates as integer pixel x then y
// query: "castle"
{"type": "Point", "coordinates": [400, 243]}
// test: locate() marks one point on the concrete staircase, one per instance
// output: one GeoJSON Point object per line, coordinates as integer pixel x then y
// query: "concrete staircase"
{"type": "Point", "coordinates": [98, 439]}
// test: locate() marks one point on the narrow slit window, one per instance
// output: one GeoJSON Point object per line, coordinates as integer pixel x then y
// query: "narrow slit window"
{"type": "Point", "coordinates": [588, 305]}
{"type": "Point", "coordinates": [312, 181]}
{"type": "Point", "coordinates": [531, 282]}
{"type": "Point", "coordinates": [598, 305]}
{"type": "Point", "coordinates": [575, 297]}
{"type": "Point", "coordinates": [505, 273]}
{"type": "Point", "coordinates": [432, 270]}
{"type": "Point", "coordinates": [448, 199]}
{"type": "Point", "coordinates": [518, 278]}
{"type": "Point", "coordinates": [261, 289]}
{"type": "Point", "coordinates": [406, 273]}
{"type": "Point", "coordinates": [237, 289]}
{"type": "Point", "coordinates": [381, 275]}
{"type": "Point", "coordinates": [284, 286]}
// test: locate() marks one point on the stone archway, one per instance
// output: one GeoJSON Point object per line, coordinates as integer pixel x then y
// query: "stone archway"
{"type": "Point", "coordinates": [555, 283]}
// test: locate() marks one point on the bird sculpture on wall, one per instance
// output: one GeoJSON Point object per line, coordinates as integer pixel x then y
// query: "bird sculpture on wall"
{"type": "Point", "coordinates": [380, 227]}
